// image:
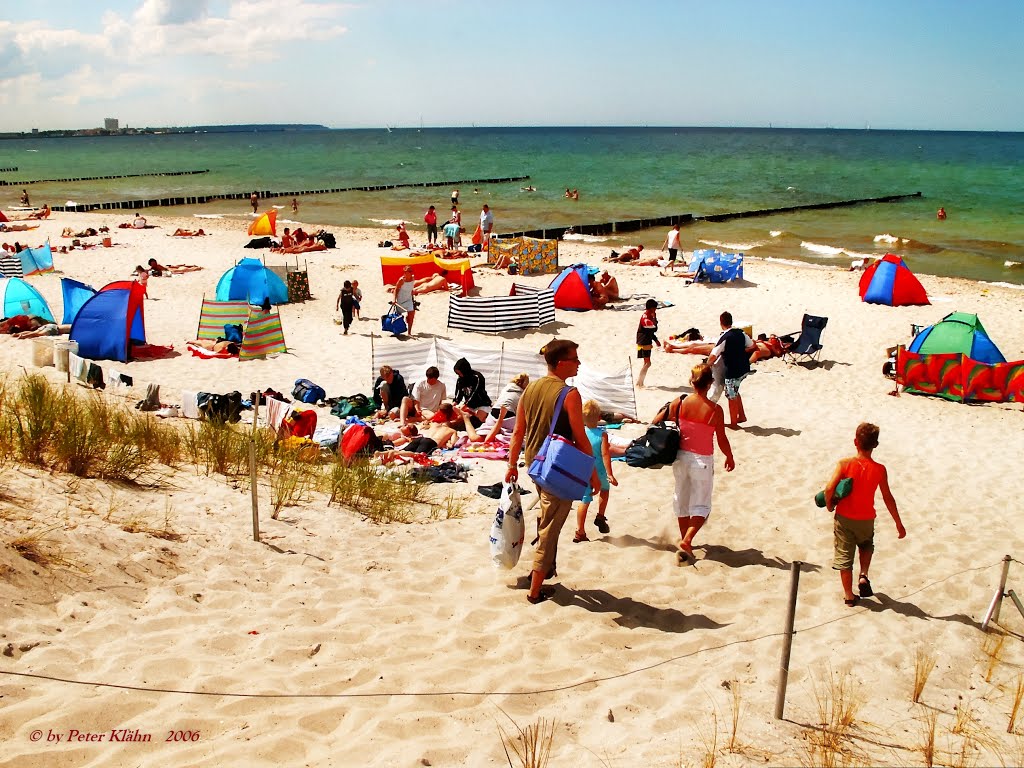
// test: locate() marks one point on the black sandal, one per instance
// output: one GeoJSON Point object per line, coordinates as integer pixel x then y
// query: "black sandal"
{"type": "Point", "coordinates": [602, 523]}
{"type": "Point", "coordinates": [851, 601]}
{"type": "Point", "coordinates": [864, 586]}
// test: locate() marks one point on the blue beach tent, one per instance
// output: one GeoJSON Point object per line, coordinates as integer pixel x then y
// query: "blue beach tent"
{"type": "Point", "coordinates": [110, 322]}
{"type": "Point", "coordinates": [711, 266]}
{"type": "Point", "coordinates": [75, 295]}
{"type": "Point", "coordinates": [20, 298]}
{"type": "Point", "coordinates": [249, 280]}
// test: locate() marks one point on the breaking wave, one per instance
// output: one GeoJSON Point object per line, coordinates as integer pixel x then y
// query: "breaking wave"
{"type": "Point", "coordinates": [584, 238]}
{"type": "Point", "coordinates": [733, 246]}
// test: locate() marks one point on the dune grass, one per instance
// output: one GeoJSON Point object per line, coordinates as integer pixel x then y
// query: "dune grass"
{"type": "Point", "coordinates": [531, 745]}
{"type": "Point", "coordinates": [924, 663]}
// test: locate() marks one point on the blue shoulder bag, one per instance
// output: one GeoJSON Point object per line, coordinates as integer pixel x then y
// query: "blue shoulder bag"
{"type": "Point", "coordinates": [560, 468]}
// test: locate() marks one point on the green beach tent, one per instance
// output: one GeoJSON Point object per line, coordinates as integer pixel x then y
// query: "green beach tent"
{"type": "Point", "coordinates": [958, 332]}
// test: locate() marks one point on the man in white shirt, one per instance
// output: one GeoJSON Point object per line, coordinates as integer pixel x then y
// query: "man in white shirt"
{"type": "Point", "coordinates": [672, 243]}
{"type": "Point", "coordinates": [486, 225]}
{"type": "Point", "coordinates": [139, 222]}
{"type": "Point", "coordinates": [426, 398]}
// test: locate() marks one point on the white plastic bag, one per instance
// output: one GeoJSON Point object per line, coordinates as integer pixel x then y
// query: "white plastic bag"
{"type": "Point", "coordinates": [508, 530]}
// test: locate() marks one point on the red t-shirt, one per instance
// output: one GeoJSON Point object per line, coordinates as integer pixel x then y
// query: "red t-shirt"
{"type": "Point", "coordinates": [430, 217]}
{"type": "Point", "coordinates": [866, 475]}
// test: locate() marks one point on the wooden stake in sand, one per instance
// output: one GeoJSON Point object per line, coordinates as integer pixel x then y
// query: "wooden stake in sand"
{"type": "Point", "coordinates": [252, 469]}
{"type": "Point", "coordinates": [787, 640]}
{"type": "Point", "coordinates": [997, 598]}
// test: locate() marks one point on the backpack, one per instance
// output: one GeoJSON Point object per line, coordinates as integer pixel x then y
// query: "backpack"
{"type": "Point", "coordinates": [353, 405]}
{"type": "Point", "coordinates": [233, 332]}
{"type": "Point", "coordinates": [220, 408]}
{"type": "Point", "coordinates": [305, 391]}
{"type": "Point", "coordinates": [359, 439]}
{"type": "Point", "coordinates": [657, 446]}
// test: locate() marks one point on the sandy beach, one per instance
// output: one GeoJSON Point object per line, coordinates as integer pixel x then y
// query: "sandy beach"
{"type": "Point", "coordinates": [356, 643]}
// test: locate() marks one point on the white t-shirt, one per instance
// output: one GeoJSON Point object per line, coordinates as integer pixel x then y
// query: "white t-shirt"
{"type": "Point", "coordinates": [430, 396]}
{"type": "Point", "coordinates": [673, 239]}
{"type": "Point", "coordinates": [486, 221]}
{"type": "Point", "coordinates": [509, 398]}
{"type": "Point", "coordinates": [139, 222]}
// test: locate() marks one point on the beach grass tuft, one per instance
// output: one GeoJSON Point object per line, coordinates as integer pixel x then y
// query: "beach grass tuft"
{"type": "Point", "coordinates": [927, 746]}
{"type": "Point", "coordinates": [837, 701]}
{"type": "Point", "coordinates": [378, 494]}
{"type": "Point", "coordinates": [709, 740]}
{"type": "Point", "coordinates": [40, 549]}
{"type": "Point", "coordinates": [1018, 696]}
{"type": "Point", "coordinates": [924, 663]}
{"type": "Point", "coordinates": [992, 647]}
{"type": "Point", "coordinates": [531, 745]}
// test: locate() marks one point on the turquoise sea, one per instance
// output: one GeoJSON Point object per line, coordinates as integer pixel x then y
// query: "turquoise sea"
{"type": "Point", "coordinates": [621, 174]}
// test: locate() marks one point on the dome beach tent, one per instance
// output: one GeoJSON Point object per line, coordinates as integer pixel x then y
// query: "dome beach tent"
{"type": "Point", "coordinates": [75, 295]}
{"type": "Point", "coordinates": [958, 333]}
{"type": "Point", "coordinates": [889, 281]}
{"type": "Point", "coordinates": [110, 322]}
{"type": "Point", "coordinates": [572, 288]}
{"type": "Point", "coordinates": [265, 224]}
{"type": "Point", "coordinates": [20, 298]}
{"type": "Point", "coordinates": [249, 280]}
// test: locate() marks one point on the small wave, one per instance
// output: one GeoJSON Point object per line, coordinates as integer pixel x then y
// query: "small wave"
{"type": "Point", "coordinates": [279, 207]}
{"type": "Point", "coordinates": [733, 246]}
{"type": "Point", "coordinates": [207, 215]}
{"type": "Point", "coordinates": [389, 222]}
{"type": "Point", "coordinates": [794, 263]}
{"type": "Point", "coordinates": [906, 242]}
{"type": "Point", "coordinates": [1012, 264]}
{"type": "Point", "coordinates": [584, 238]}
{"type": "Point", "coordinates": [776, 232]}
{"type": "Point", "coordinates": [1005, 285]}
{"type": "Point", "coordinates": [832, 252]}
{"type": "Point", "coordinates": [887, 238]}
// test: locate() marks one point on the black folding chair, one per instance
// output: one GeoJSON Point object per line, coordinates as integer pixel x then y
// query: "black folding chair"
{"type": "Point", "coordinates": [808, 344]}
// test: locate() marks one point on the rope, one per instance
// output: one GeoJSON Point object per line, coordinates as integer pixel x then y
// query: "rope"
{"type": "Point", "coordinates": [423, 694]}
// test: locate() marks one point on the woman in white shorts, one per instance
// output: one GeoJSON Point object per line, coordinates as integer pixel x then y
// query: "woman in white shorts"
{"type": "Point", "coordinates": [700, 422]}
{"type": "Point", "coordinates": [405, 289]}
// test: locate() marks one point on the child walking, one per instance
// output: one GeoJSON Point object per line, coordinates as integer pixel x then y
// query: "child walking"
{"type": "Point", "coordinates": [603, 464]}
{"type": "Point", "coordinates": [357, 295]}
{"type": "Point", "coordinates": [646, 338]}
{"type": "Point", "coordinates": [346, 303]}
{"type": "Point", "coordinates": [854, 526]}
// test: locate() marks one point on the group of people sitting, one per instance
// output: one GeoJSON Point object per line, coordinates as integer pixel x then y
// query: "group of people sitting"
{"type": "Point", "coordinates": [428, 420]}
{"type": "Point", "coordinates": [300, 241]}
{"type": "Point", "coordinates": [603, 289]}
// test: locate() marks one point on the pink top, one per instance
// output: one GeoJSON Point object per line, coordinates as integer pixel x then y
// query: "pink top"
{"type": "Point", "coordinates": [696, 437]}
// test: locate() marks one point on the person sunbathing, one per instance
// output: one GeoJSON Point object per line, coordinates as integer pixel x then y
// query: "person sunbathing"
{"type": "Point", "coordinates": [432, 283]}
{"type": "Point", "coordinates": [21, 323]}
{"type": "Point", "coordinates": [42, 213]}
{"type": "Point", "coordinates": [306, 246]}
{"type": "Point", "coordinates": [626, 257]}
{"type": "Point", "coordinates": [218, 345]}
{"type": "Point", "coordinates": [49, 329]}
{"type": "Point", "coordinates": [430, 439]}
{"type": "Point", "coordinates": [17, 227]}
{"type": "Point", "coordinates": [157, 270]}
{"type": "Point", "coordinates": [767, 347]}
{"type": "Point", "coordinates": [68, 232]}
{"type": "Point", "coordinates": [689, 342]}
{"type": "Point", "coordinates": [187, 233]}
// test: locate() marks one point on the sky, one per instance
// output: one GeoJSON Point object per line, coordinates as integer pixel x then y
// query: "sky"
{"type": "Point", "coordinates": [903, 64]}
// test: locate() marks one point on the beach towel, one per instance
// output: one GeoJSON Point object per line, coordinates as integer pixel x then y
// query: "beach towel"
{"type": "Point", "coordinates": [637, 307]}
{"type": "Point", "coordinates": [190, 404]}
{"type": "Point", "coordinates": [152, 351]}
{"type": "Point", "coordinates": [277, 410]}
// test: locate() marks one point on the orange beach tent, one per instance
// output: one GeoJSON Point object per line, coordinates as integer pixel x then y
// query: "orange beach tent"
{"type": "Point", "coordinates": [265, 224]}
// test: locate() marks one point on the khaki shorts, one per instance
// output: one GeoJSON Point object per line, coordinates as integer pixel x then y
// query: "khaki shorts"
{"type": "Point", "coordinates": [851, 535]}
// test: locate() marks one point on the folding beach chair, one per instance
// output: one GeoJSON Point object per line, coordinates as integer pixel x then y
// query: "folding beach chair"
{"type": "Point", "coordinates": [808, 344]}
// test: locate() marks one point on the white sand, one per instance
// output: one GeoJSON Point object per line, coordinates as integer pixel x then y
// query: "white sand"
{"type": "Point", "coordinates": [424, 647]}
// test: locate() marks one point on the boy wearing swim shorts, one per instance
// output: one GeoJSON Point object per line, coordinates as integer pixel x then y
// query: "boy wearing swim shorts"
{"type": "Point", "coordinates": [854, 526]}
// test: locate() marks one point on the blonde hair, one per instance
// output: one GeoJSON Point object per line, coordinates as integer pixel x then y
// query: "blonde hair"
{"type": "Point", "coordinates": [591, 413]}
{"type": "Point", "coordinates": [521, 380]}
{"type": "Point", "coordinates": [701, 377]}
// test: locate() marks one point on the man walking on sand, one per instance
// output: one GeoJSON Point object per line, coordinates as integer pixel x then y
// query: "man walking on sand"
{"type": "Point", "coordinates": [534, 415]}
{"type": "Point", "coordinates": [672, 243]}
{"type": "Point", "coordinates": [733, 348]}
{"type": "Point", "coordinates": [486, 226]}
{"type": "Point", "coordinates": [854, 526]}
{"type": "Point", "coordinates": [254, 201]}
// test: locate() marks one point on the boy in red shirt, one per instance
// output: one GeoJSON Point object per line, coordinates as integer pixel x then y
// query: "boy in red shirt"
{"type": "Point", "coordinates": [855, 513]}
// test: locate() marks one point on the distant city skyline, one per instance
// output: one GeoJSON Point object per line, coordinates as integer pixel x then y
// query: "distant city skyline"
{"type": "Point", "coordinates": [941, 65]}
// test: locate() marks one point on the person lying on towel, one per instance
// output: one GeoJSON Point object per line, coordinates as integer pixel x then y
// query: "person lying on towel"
{"type": "Point", "coordinates": [220, 345]}
{"type": "Point", "coordinates": [767, 347]}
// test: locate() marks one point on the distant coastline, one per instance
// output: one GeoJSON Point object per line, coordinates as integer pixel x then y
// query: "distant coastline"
{"type": "Point", "coordinates": [91, 132]}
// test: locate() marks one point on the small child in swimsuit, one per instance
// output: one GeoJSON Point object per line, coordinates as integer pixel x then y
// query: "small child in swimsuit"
{"type": "Point", "coordinates": [603, 463]}
{"type": "Point", "coordinates": [357, 294]}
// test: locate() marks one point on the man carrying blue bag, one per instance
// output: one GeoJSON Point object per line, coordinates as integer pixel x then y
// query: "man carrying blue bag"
{"type": "Point", "coordinates": [538, 418]}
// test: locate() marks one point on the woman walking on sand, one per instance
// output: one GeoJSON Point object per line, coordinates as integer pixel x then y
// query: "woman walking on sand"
{"type": "Point", "coordinates": [700, 422]}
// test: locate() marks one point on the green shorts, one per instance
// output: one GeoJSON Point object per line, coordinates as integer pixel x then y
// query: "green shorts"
{"type": "Point", "coordinates": [851, 535]}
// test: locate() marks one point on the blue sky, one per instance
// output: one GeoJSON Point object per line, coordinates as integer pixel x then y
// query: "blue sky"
{"type": "Point", "coordinates": [888, 64]}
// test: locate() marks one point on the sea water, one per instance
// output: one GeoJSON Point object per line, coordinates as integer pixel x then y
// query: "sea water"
{"type": "Point", "coordinates": [621, 174]}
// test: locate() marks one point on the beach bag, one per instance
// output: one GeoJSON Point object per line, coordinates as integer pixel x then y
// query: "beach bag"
{"type": "Point", "coordinates": [233, 333]}
{"type": "Point", "coordinates": [327, 239]}
{"type": "Point", "coordinates": [359, 439]}
{"type": "Point", "coordinates": [305, 391]}
{"type": "Point", "coordinates": [659, 445]}
{"type": "Point", "coordinates": [393, 322]}
{"type": "Point", "coordinates": [507, 530]}
{"type": "Point", "coordinates": [220, 408]}
{"type": "Point", "coordinates": [560, 468]}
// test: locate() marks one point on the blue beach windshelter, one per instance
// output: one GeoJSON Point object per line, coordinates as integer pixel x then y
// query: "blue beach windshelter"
{"type": "Point", "coordinates": [75, 295]}
{"type": "Point", "coordinates": [110, 322]}
{"type": "Point", "coordinates": [249, 280]}
{"type": "Point", "coordinates": [20, 298]}
{"type": "Point", "coordinates": [710, 266]}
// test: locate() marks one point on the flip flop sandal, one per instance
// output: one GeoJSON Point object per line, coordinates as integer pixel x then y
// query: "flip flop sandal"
{"type": "Point", "coordinates": [852, 601]}
{"type": "Point", "coordinates": [864, 586]}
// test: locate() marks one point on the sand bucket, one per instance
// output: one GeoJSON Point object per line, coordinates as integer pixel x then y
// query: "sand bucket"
{"type": "Point", "coordinates": [107, 242]}
{"type": "Point", "coordinates": [61, 353]}
{"type": "Point", "coordinates": [42, 351]}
